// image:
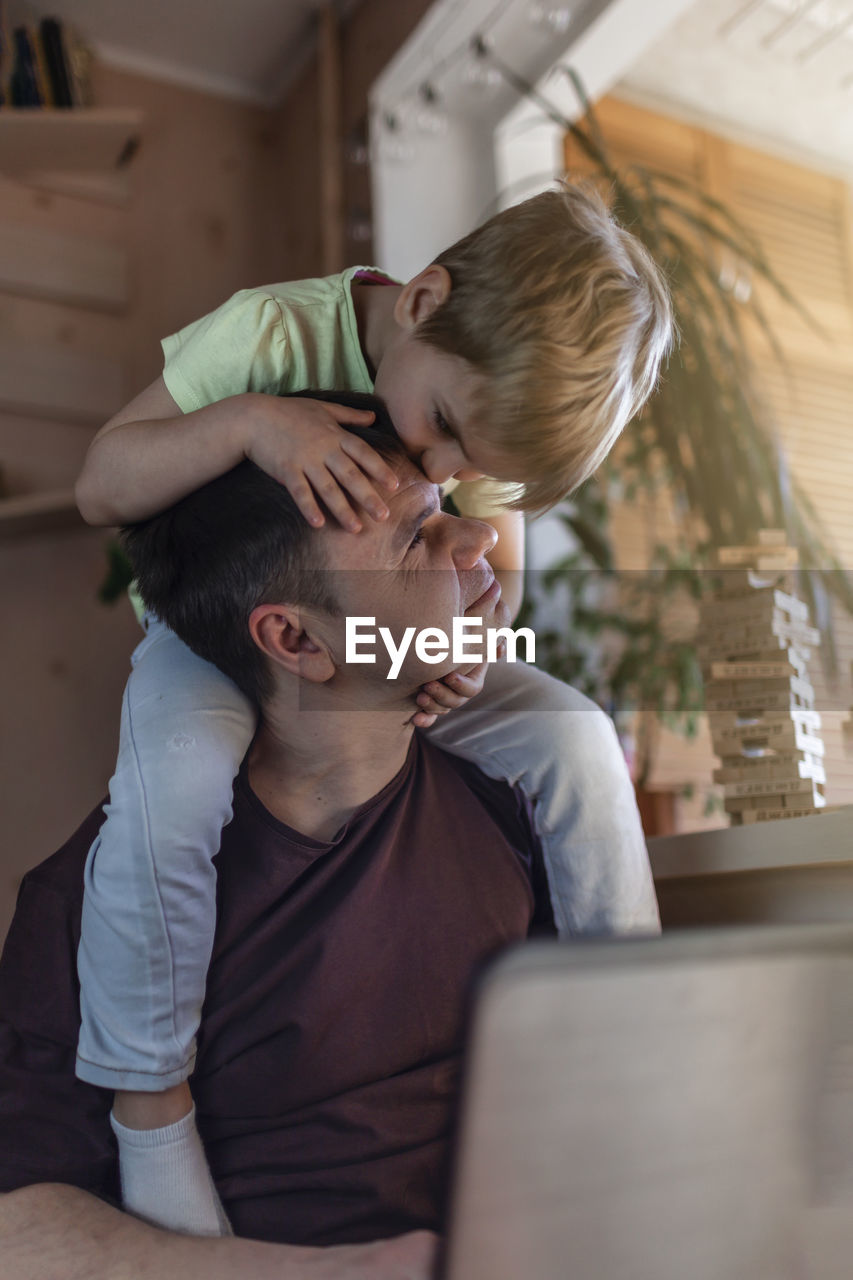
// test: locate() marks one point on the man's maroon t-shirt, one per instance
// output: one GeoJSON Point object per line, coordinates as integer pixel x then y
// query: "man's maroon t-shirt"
{"type": "Point", "coordinates": [329, 1047]}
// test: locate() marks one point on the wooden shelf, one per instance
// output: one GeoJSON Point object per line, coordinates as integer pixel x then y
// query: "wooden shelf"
{"type": "Point", "coordinates": [86, 139]}
{"type": "Point", "coordinates": [34, 512]}
{"type": "Point", "coordinates": [816, 839]}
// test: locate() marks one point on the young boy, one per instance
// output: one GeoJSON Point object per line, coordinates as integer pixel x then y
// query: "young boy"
{"type": "Point", "coordinates": [518, 355]}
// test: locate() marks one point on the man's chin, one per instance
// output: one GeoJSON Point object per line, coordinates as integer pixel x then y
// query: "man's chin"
{"type": "Point", "coordinates": [500, 615]}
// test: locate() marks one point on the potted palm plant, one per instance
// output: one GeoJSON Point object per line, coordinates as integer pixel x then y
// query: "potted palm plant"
{"type": "Point", "coordinates": [707, 436]}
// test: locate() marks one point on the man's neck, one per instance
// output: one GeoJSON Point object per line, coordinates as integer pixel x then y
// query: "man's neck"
{"type": "Point", "coordinates": [314, 769]}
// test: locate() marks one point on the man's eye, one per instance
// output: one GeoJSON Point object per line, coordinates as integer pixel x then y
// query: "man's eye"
{"type": "Point", "coordinates": [441, 422]}
{"type": "Point", "coordinates": [419, 537]}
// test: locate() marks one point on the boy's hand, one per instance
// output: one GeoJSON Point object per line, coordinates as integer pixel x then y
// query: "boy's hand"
{"type": "Point", "coordinates": [300, 443]}
{"type": "Point", "coordinates": [437, 697]}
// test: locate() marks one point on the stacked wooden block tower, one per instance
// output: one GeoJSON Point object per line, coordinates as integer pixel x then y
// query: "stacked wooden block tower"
{"type": "Point", "coordinates": [754, 644]}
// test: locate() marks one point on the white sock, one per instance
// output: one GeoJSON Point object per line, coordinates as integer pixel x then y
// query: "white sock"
{"type": "Point", "coordinates": [165, 1178]}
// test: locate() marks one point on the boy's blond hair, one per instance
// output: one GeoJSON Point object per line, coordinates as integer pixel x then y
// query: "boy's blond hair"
{"type": "Point", "coordinates": [569, 319]}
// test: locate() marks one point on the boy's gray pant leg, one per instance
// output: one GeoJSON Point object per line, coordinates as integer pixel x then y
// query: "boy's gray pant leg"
{"type": "Point", "coordinates": [149, 907]}
{"type": "Point", "coordinates": [562, 750]}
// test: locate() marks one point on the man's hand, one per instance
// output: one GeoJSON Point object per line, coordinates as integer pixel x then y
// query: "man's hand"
{"type": "Point", "coordinates": [408, 1257]}
{"type": "Point", "coordinates": [300, 443]}
{"type": "Point", "coordinates": [56, 1232]}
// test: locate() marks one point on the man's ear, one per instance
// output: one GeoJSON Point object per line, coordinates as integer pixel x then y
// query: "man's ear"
{"type": "Point", "coordinates": [420, 297]}
{"type": "Point", "coordinates": [281, 632]}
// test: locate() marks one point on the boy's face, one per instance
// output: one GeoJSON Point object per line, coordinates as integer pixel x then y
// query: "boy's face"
{"type": "Point", "coordinates": [432, 398]}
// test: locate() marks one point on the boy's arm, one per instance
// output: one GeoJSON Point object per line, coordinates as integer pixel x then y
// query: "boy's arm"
{"type": "Point", "coordinates": [150, 455]}
{"type": "Point", "coordinates": [507, 558]}
{"type": "Point", "coordinates": [54, 1232]}
{"type": "Point", "coordinates": [160, 455]}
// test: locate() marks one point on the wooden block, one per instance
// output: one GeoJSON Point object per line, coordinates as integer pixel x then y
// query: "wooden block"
{"type": "Point", "coordinates": [795, 685]}
{"type": "Point", "coordinates": [810, 744]}
{"type": "Point", "coordinates": [753, 669]}
{"type": "Point", "coordinates": [739, 584]}
{"type": "Point", "coordinates": [758, 603]}
{"type": "Point", "coordinates": [736, 639]}
{"type": "Point", "coordinates": [772, 538]}
{"type": "Point", "coordinates": [781, 560]}
{"type": "Point", "coordinates": [796, 656]}
{"type": "Point", "coordinates": [733, 643]}
{"type": "Point", "coordinates": [735, 557]}
{"type": "Point", "coordinates": [805, 717]}
{"type": "Point", "coordinates": [782, 734]}
{"type": "Point", "coordinates": [758, 557]}
{"type": "Point", "coordinates": [66, 268]}
{"type": "Point", "coordinates": [808, 717]}
{"type": "Point", "coordinates": [802, 689]}
{"type": "Point", "coordinates": [782, 700]}
{"type": "Point", "coordinates": [801, 803]}
{"type": "Point", "coordinates": [769, 787]}
{"type": "Point", "coordinates": [721, 689]}
{"type": "Point", "coordinates": [772, 768]}
{"type": "Point", "coordinates": [774, 815]}
{"type": "Point", "coordinates": [769, 621]}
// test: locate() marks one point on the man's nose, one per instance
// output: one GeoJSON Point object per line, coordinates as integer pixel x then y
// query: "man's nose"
{"type": "Point", "coordinates": [474, 539]}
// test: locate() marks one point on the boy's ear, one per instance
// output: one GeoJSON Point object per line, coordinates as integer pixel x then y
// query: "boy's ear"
{"type": "Point", "coordinates": [280, 631]}
{"type": "Point", "coordinates": [420, 297]}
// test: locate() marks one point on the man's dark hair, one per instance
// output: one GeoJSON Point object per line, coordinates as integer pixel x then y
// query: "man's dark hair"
{"type": "Point", "coordinates": [205, 563]}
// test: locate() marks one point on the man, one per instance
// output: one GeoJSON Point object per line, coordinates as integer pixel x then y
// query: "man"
{"type": "Point", "coordinates": [364, 878]}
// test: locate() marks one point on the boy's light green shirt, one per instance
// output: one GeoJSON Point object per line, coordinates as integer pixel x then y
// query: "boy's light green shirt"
{"type": "Point", "coordinates": [283, 338]}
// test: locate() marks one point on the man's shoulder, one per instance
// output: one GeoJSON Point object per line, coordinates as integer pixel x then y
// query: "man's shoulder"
{"type": "Point", "coordinates": [507, 804]}
{"type": "Point", "coordinates": [490, 812]}
{"type": "Point", "coordinates": [44, 933]}
{"type": "Point", "coordinates": [62, 872]}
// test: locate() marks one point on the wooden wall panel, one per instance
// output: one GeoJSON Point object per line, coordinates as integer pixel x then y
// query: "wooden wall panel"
{"type": "Point", "coordinates": [48, 209]}
{"type": "Point", "coordinates": [63, 664]}
{"type": "Point", "coordinates": [40, 453]}
{"type": "Point", "coordinates": [370, 36]}
{"type": "Point", "coordinates": [45, 323]}
{"type": "Point", "coordinates": [59, 382]}
{"type": "Point", "coordinates": [62, 267]}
